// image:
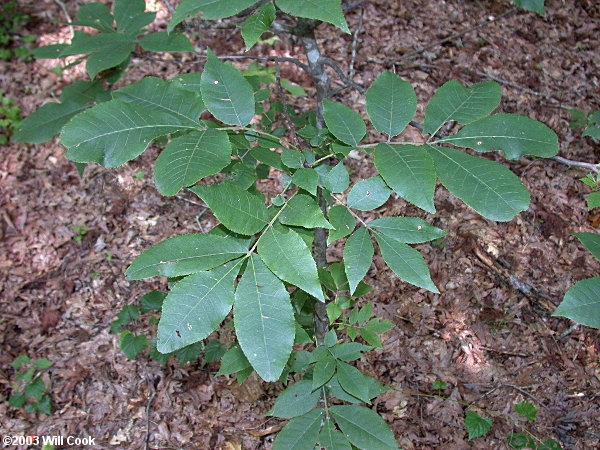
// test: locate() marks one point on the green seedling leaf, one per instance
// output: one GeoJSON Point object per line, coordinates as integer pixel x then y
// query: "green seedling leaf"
{"type": "Point", "coordinates": [131, 344]}
{"type": "Point", "coordinates": [476, 425]}
{"type": "Point", "coordinates": [42, 363]}
{"type": "Point", "coordinates": [526, 410]}
{"type": "Point", "coordinates": [152, 301]}
{"type": "Point", "coordinates": [20, 360]}
{"type": "Point", "coordinates": [519, 441]}
{"type": "Point", "coordinates": [234, 361]}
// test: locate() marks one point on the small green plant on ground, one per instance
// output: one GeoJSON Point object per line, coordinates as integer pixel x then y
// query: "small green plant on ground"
{"type": "Point", "coordinates": [29, 389]}
{"type": "Point", "coordinates": [264, 270]}
{"type": "Point", "coordinates": [12, 45]}
{"type": "Point", "coordinates": [10, 116]}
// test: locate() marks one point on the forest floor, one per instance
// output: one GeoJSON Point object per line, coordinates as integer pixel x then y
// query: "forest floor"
{"type": "Point", "coordinates": [492, 344]}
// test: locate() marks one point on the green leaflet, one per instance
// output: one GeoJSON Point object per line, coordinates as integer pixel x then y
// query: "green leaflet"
{"type": "Point", "coordinates": [114, 132]}
{"type": "Point", "coordinates": [391, 103]}
{"type": "Point", "coordinates": [226, 93]}
{"type": "Point", "coordinates": [363, 427]}
{"type": "Point", "coordinates": [167, 97]}
{"type": "Point", "coordinates": [189, 158]}
{"type": "Point", "coordinates": [337, 180]}
{"type": "Point", "coordinates": [296, 400]}
{"type": "Point", "coordinates": [196, 306]}
{"type": "Point", "coordinates": [581, 303]}
{"type": "Point", "coordinates": [591, 241]}
{"type": "Point", "coordinates": [532, 5]}
{"type": "Point", "coordinates": [46, 122]}
{"type": "Point", "coordinates": [292, 158]}
{"type": "Point", "coordinates": [131, 344]}
{"type": "Point", "coordinates": [162, 41]}
{"type": "Point", "coordinates": [233, 361]}
{"type": "Point", "coordinates": [343, 122]}
{"type": "Point", "coordinates": [264, 320]}
{"type": "Point", "coordinates": [131, 17]}
{"type": "Point", "coordinates": [306, 179]}
{"type": "Point", "coordinates": [332, 439]}
{"type": "Point", "coordinates": [358, 256]}
{"type": "Point", "coordinates": [410, 230]}
{"type": "Point", "coordinates": [190, 82]}
{"type": "Point", "coordinates": [290, 259]}
{"type": "Point", "coordinates": [406, 262]}
{"type": "Point", "coordinates": [352, 381]}
{"type": "Point", "coordinates": [300, 433]}
{"type": "Point", "coordinates": [453, 101]}
{"type": "Point", "coordinates": [343, 222]}
{"type": "Point", "coordinates": [368, 194]}
{"type": "Point", "coordinates": [186, 254]}
{"type": "Point", "coordinates": [106, 50]}
{"type": "Point", "coordinates": [237, 209]}
{"type": "Point", "coordinates": [210, 9]}
{"type": "Point", "coordinates": [486, 186]}
{"type": "Point", "coordinates": [515, 135]}
{"type": "Point", "coordinates": [323, 371]}
{"type": "Point", "coordinates": [303, 211]}
{"type": "Point", "coordinates": [325, 10]}
{"type": "Point", "coordinates": [256, 24]}
{"type": "Point", "coordinates": [96, 15]}
{"type": "Point", "coordinates": [409, 171]}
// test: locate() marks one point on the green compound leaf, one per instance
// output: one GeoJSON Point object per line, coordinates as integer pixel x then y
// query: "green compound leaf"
{"type": "Point", "coordinates": [195, 307]}
{"type": "Point", "coordinates": [237, 209]}
{"type": "Point", "coordinates": [184, 255]}
{"type": "Point", "coordinates": [581, 303]}
{"type": "Point", "coordinates": [410, 230]}
{"type": "Point", "coordinates": [406, 262]}
{"type": "Point", "coordinates": [303, 211]}
{"type": "Point", "coordinates": [168, 97]}
{"type": "Point", "coordinates": [363, 427]}
{"type": "Point", "coordinates": [532, 5]}
{"type": "Point", "coordinates": [264, 320]}
{"type": "Point", "coordinates": [210, 9]}
{"type": "Point", "coordinates": [306, 179]}
{"type": "Point", "coordinates": [591, 241]}
{"type": "Point", "coordinates": [453, 101]}
{"type": "Point", "coordinates": [513, 134]}
{"type": "Point", "coordinates": [329, 11]}
{"type": "Point", "coordinates": [343, 222]}
{"type": "Point", "coordinates": [290, 259]}
{"type": "Point", "coordinates": [301, 433]}
{"type": "Point", "coordinates": [337, 180]}
{"type": "Point", "coordinates": [391, 103]}
{"type": "Point", "coordinates": [358, 256]}
{"type": "Point", "coordinates": [332, 439]}
{"type": "Point", "coordinates": [344, 123]}
{"type": "Point", "coordinates": [163, 41]}
{"type": "Point", "coordinates": [114, 132]}
{"type": "Point", "coordinates": [409, 171]}
{"type": "Point", "coordinates": [226, 92]}
{"type": "Point", "coordinates": [368, 194]}
{"type": "Point", "coordinates": [131, 344]}
{"type": "Point", "coordinates": [526, 410]}
{"type": "Point", "coordinates": [189, 158]}
{"type": "Point", "coordinates": [486, 186]}
{"type": "Point", "coordinates": [256, 24]}
{"type": "Point", "coordinates": [296, 400]}
{"type": "Point", "coordinates": [476, 425]}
